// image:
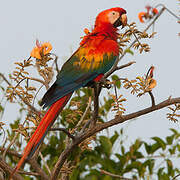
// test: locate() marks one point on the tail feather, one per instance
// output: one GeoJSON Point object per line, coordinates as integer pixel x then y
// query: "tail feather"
{"type": "Point", "coordinates": [42, 129]}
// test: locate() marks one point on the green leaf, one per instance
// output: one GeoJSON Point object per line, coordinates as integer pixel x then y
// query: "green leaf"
{"type": "Point", "coordinates": [108, 104]}
{"type": "Point", "coordinates": [107, 177]}
{"type": "Point", "coordinates": [175, 133]}
{"type": "Point", "coordinates": [106, 145]}
{"type": "Point", "coordinates": [122, 149]}
{"type": "Point", "coordinates": [1, 108]}
{"type": "Point", "coordinates": [136, 165]}
{"type": "Point", "coordinates": [128, 50]}
{"type": "Point", "coordinates": [170, 167]}
{"type": "Point", "coordinates": [147, 148]}
{"type": "Point", "coordinates": [150, 164]}
{"type": "Point", "coordinates": [160, 142]}
{"type": "Point", "coordinates": [173, 150]}
{"type": "Point", "coordinates": [122, 160]}
{"type": "Point", "coordinates": [155, 147]}
{"type": "Point", "coordinates": [160, 171]}
{"type": "Point", "coordinates": [169, 139]}
{"type": "Point", "coordinates": [162, 175]}
{"type": "Point", "coordinates": [114, 137]}
{"type": "Point", "coordinates": [117, 81]}
{"type": "Point", "coordinates": [137, 144]}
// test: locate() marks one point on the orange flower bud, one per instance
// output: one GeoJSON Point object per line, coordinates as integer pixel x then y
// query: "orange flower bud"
{"type": "Point", "coordinates": [155, 11]}
{"type": "Point", "coordinates": [152, 84]}
{"type": "Point", "coordinates": [141, 15]}
{"type": "Point", "coordinates": [41, 49]}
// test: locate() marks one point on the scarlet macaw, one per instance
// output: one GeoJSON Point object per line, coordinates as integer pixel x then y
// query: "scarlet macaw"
{"type": "Point", "coordinates": [96, 55]}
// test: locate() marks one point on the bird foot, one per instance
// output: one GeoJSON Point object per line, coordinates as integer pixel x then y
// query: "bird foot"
{"type": "Point", "coordinates": [105, 83]}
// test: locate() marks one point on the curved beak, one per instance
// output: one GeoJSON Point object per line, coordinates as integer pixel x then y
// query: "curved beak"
{"type": "Point", "coordinates": [121, 21]}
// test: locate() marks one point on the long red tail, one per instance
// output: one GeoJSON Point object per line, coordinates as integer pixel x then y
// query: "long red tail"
{"type": "Point", "coordinates": [42, 129]}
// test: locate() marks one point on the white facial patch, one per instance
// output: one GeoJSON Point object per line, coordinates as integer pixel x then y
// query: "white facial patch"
{"type": "Point", "coordinates": [113, 16]}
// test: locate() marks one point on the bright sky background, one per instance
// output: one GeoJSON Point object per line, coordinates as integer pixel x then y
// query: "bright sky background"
{"type": "Point", "coordinates": [62, 24]}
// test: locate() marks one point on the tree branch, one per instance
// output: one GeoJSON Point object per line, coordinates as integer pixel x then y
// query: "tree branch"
{"type": "Point", "coordinates": [96, 104]}
{"type": "Point", "coordinates": [31, 161]}
{"type": "Point", "coordinates": [117, 120]}
{"type": "Point", "coordinates": [9, 170]}
{"type": "Point", "coordinates": [64, 130]}
{"type": "Point", "coordinates": [114, 175]}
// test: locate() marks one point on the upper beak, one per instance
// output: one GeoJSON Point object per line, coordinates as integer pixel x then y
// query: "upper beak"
{"type": "Point", "coordinates": [121, 21]}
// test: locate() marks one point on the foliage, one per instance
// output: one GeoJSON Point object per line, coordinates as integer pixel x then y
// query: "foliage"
{"type": "Point", "coordinates": [141, 160]}
{"type": "Point", "coordinates": [96, 156]}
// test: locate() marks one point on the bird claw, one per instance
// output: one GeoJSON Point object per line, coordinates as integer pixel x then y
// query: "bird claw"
{"type": "Point", "coordinates": [105, 83]}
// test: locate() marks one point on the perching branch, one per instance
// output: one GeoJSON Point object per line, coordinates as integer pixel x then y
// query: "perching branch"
{"type": "Point", "coordinates": [96, 104]}
{"type": "Point", "coordinates": [117, 120]}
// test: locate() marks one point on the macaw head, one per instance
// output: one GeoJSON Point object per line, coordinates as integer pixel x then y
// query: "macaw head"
{"type": "Point", "coordinates": [114, 16]}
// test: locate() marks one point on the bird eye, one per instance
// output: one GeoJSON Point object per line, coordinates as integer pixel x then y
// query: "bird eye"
{"type": "Point", "coordinates": [113, 13]}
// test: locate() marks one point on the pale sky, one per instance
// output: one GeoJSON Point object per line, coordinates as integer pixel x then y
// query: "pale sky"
{"type": "Point", "coordinates": [62, 23]}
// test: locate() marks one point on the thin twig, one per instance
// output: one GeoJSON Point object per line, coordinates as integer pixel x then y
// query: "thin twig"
{"type": "Point", "coordinates": [85, 112]}
{"type": "Point", "coordinates": [174, 178]}
{"type": "Point", "coordinates": [125, 65]}
{"type": "Point", "coordinates": [152, 98]}
{"type": "Point", "coordinates": [114, 175]}
{"type": "Point", "coordinates": [137, 38]}
{"type": "Point", "coordinates": [29, 173]}
{"type": "Point", "coordinates": [55, 61]}
{"type": "Point", "coordinates": [85, 126]}
{"type": "Point", "coordinates": [36, 95]}
{"type": "Point", "coordinates": [37, 168]}
{"type": "Point", "coordinates": [45, 164]}
{"type": "Point", "coordinates": [178, 18]}
{"type": "Point", "coordinates": [40, 81]}
{"type": "Point", "coordinates": [4, 78]}
{"type": "Point", "coordinates": [25, 102]}
{"type": "Point", "coordinates": [64, 130]}
{"type": "Point", "coordinates": [11, 143]}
